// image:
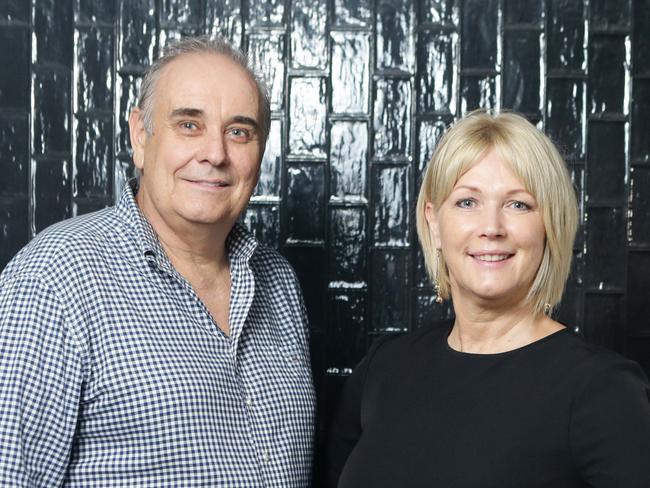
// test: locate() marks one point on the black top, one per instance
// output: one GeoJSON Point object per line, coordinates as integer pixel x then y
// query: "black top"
{"type": "Point", "coordinates": [556, 413]}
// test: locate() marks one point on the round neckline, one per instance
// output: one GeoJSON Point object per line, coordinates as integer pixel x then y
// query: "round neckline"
{"type": "Point", "coordinates": [526, 347]}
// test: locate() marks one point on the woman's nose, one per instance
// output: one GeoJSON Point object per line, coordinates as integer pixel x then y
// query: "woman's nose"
{"type": "Point", "coordinates": [492, 225]}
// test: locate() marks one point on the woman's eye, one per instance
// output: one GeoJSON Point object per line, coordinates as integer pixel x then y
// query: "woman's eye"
{"type": "Point", "coordinates": [518, 205]}
{"type": "Point", "coordinates": [465, 203]}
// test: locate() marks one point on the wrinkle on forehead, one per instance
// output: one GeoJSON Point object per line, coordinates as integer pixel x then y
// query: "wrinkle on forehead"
{"type": "Point", "coordinates": [207, 81]}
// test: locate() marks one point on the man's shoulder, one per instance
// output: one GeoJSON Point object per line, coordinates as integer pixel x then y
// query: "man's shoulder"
{"type": "Point", "coordinates": [64, 244]}
{"type": "Point", "coordinates": [267, 260]}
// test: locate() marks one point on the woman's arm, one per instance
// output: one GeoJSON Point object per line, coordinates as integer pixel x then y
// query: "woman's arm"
{"type": "Point", "coordinates": [610, 427]}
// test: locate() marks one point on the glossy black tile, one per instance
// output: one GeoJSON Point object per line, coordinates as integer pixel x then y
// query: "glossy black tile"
{"type": "Point", "coordinates": [350, 77]}
{"type": "Point", "coordinates": [607, 75]}
{"type": "Point", "coordinates": [641, 39]}
{"type": "Point", "coordinates": [94, 59]}
{"type": "Point", "coordinates": [305, 203]}
{"type": "Point", "coordinates": [639, 206]}
{"type": "Point", "coordinates": [14, 227]}
{"type": "Point", "coordinates": [437, 78]}
{"type": "Point", "coordinates": [640, 128]}
{"type": "Point", "coordinates": [392, 118]}
{"type": "Point", "coordinates": [605, 249]}
{"type": "Point", "coordinates": [51, 115]}
{"type": "Point", "coordinates": [610, 14]}
{"type": "Point", "coordinates": [92, 11]}
{"type": "Point", "coordinates": [395, 41]}
{"type": "Point", "coordinates": [92, 169]}
{"type": "Point", "coordinates": [566, 35]}
{"type": "Point", "coordinates": [604, 320]}
{"type": "Point", "coordinates": [523, 12]}
{"type": "Point", "coordinates": [346, 329]}
{"type": "Point", "coordinates": [479, 34]}
{"type": "Point", "coordinates": [53, 32]}
{"type": "Point", "coordinates": [606, 166]}
{"type": "Point", "coordinates": [522, 69]}
{"type": "Point", "coordinates": [348, 262]}
{"type": "Point", "coordinates": [389, 302]}
{"type": "Point", "coordinates": [308, 38]}
{"type": "Point", "coordinates": [446, 12]}
{"type": "Point", "coordinates": [565, 109]}
{"type": "Point", "coordinates": [348, 160]}
{"type": "Point", "coordinates": [51, 200]}
{"type": "Point", "coordinates": [638, 284]}
{"type": "Point", "coordinates": [14, 81]}
{"type": "Point", "coordinates": [391, 213]}
{"type": "Point", "coordinates": [351, 13]}
{"type": "Point", "coordinates": [263, 220]}
{"type": "Point", "coordinates": [14, 155]}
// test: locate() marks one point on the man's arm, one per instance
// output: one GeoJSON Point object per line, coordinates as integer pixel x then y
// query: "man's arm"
{"type": "Point", "coordinates": [40, 382]}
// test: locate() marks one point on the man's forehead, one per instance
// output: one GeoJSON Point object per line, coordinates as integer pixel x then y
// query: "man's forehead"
{"type": "Point", "coordinates": [202, 65]}
{"type": "Point", "coordinates": [206, 81]}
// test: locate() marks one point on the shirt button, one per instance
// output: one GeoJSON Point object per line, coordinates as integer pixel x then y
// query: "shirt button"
{"type": "Point", "coordinates": [265, 457]}
{"type": "Point", "coordinates": [249, 402]}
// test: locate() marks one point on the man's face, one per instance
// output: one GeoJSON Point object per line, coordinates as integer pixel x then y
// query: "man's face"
{"type": "Point", "coordinates": [201, 163]}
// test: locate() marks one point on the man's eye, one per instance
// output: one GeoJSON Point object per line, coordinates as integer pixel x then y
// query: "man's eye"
{"type": "Point", "coordinates": [189, 126]}
{"type": "Point", "coordinates": [239, 133]}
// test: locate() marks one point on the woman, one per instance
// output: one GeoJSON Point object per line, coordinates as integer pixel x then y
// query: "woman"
{"type": "Point", "coordinates": [505, 396]}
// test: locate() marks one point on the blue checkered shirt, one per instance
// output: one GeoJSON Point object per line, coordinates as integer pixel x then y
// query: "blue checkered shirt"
{"type": "Point", "coordinates": [113, 373]}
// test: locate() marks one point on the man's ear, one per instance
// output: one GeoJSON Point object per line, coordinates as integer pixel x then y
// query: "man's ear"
{"type": "Point", "coordinates": [138, 134]}
{"type": "Point", "coordinates": [432, 222]}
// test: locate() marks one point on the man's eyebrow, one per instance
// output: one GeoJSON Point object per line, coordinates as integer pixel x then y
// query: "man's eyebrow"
{"type": "Point", "coordinates": [243, 119]}
{"type": "Point", "coordinates": [186, 112]}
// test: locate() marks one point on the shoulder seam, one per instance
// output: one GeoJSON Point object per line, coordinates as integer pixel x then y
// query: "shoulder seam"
{"type": "Point", "coordinates": [44, 282]}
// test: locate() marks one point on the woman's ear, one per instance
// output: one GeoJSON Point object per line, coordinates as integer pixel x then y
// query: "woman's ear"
{"type": "Point", "coordinates": [431, 215]}
{"type": "Point", "coordinates": [138, 135]}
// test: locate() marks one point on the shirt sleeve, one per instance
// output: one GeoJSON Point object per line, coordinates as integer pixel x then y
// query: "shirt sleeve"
{"type": "Point", "coordinates": [610, 427]}
{"type": "Point", "coordinates": [40, 384]}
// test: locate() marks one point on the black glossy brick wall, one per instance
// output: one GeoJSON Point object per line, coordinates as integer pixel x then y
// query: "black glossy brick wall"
{"type": "Point", "coordinates": [361, 90]}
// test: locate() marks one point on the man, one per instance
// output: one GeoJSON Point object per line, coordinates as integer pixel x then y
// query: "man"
{"type": "Point", "coordinates": [156, 342]}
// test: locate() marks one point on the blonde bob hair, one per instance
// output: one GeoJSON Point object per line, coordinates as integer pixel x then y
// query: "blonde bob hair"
{"type": "Point", "coordinates": [533, 158]}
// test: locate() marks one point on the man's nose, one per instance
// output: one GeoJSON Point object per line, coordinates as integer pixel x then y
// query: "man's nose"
{"type": "Point", "coordinates": [213, 150]}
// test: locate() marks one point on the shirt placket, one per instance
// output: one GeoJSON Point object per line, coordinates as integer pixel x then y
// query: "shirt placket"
{"type": "Point", "coordinates": [242, 294]}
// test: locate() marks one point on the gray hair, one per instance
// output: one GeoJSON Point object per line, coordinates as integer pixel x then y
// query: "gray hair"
{"type": "Point", "coordinates": [202, 44]}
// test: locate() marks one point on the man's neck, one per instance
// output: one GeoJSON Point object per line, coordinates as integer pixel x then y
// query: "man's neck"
{"type": "Point", "coordinates": [195, 250]}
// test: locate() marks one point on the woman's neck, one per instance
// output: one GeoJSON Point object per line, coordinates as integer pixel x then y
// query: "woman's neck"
{"type": "Point", "coordinates": [488, 331]}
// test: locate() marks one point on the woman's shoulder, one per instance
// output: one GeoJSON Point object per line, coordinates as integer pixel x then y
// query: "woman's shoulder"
{"type": "Point", "coordinates": [392, 350]}
{"type": "Point", "coordinates": [585, 358]}
{"type": "Point", "coordinates": [412, 341]}
{"type": "Point", "coordinates": [593, 377]}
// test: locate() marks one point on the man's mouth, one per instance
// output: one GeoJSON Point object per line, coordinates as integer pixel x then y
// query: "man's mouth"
{"type": "Point", "coordinates": [210, 183]}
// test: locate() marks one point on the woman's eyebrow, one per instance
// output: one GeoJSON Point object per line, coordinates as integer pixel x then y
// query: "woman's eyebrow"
{"type": "Point", "coordinates": [474, 189]}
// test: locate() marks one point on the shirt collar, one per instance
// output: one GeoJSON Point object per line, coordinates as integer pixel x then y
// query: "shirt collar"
{"type": "Point", "coordinates": [240, 243]}
{"type": "Point", "coordinates": [127, 209]}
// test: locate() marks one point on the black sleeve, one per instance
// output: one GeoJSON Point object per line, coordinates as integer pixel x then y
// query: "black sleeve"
{"type": "Point", "coordinates": [610, 427]}
{"type": "Point", "coordinates": [346, 426]}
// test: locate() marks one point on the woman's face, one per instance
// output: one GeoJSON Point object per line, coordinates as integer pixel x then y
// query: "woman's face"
{"type": "Point", "coordinates": [491, 235]}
